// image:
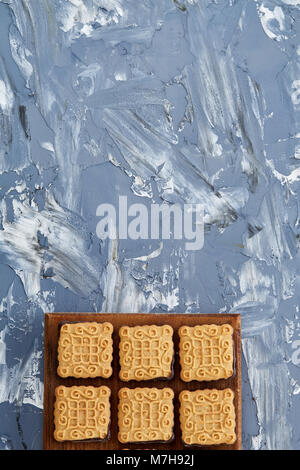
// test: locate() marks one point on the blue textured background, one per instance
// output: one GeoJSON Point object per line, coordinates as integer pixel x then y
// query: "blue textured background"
{"type": "Point", "coordinates": [160, 100]}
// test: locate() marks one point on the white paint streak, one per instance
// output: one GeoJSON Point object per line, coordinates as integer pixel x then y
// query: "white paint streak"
{"type": "Point", "coordinates": [270, 17]}
{"type": "Point", "coordinates": [79, 14]}
{"type": "Point", "coordinates": [21, 383]}
{"type": "Point", "coordinates": [153, 254]}
{"type": "Point", "coordinates": [264, 371]}
{"type": "Point", "coordinates": [6, 98]}
{"type": "Point", "coordinates": [65, 253]}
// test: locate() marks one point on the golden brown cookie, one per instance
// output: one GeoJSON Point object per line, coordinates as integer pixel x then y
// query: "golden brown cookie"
{"type": "Point", "coordinates": [85, 350]}
{"type": "Point", "coordinates": [206, 352]}
{"type": "Point", "coordinates": [145, 414]}
{"type": "Point", "coordinates": [81, 413]}
{"type": "Point", "coordinates": [207, 417]}
{"type": "Point", "coordinates": [146, 352]}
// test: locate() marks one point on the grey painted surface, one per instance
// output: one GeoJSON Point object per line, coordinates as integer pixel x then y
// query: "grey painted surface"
{"type": "Point", "coordinates": [176, 101]}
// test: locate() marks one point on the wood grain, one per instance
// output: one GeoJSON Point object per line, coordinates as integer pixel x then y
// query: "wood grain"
{"type": "Point", "coordinates": [53, 321]}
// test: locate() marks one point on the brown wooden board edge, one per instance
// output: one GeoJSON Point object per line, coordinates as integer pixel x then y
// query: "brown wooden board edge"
{"type": "Point", "coordinates": [132, 319]}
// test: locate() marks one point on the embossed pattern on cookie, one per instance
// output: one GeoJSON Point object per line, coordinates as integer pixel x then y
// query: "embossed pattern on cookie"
{"type": "Point", "coordinates": [207, 417]}
{"type": "Point", "coordinates": [146, 352]}
{"type": "Point", "coordinates": [206, 352]}
{"type": "Point", "coordinates": [81, 413]}
{"type": "Point", "coordinates": [145, 415]}
{"type": "Point", "coordinates": [85, 350]}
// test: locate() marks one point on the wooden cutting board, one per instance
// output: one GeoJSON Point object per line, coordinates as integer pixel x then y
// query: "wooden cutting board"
{"type": "Point", "coordinates": [53, 321]}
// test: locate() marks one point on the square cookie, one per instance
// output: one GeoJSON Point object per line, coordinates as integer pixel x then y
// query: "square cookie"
{"type": "Point", "coordinates": [206, 352]}
{"type": "Point", "coordinates": [85, 350]}
{"type": "Point", "coordinates": [145, 415]}
{"type": "Point", "coordinates": [146, 352]}
{"type": "Point", "coordinates": [207, 417]}
{"type": "Point", "coordinates": [81, 413]}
